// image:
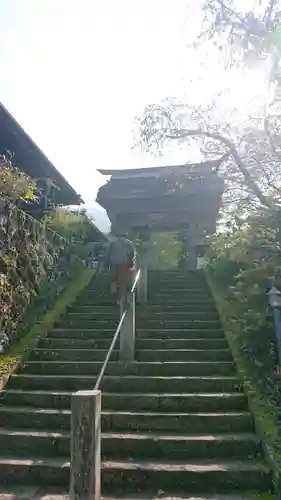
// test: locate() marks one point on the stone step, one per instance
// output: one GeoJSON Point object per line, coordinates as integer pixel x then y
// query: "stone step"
{"type": "Point", "coordinates": [81, 333]}
{"type": "Point", "coordinates": [184, 333]}
{"type": "Point", "coordinates": [128, 383]}
{"type": "Point", "coordinates": [156, 286]}
{"type": "Point", "coordinates": [94, 312]}
{"type": "Point", "coordinates": [27, 471]}
{"type": "Point", "coordinates": [147, 323]}
{"type": "Point", "coordinates": [141, 355]}
{"type": "Point", "coordinates": [142, 368]}
{"type": "Point", "coordinates": [165, 290]}
{"type": "Point", "coordinates": [189, 355]}
{"type": "Point", "coordinates": [74, 308]}
{"type": "Point", "coordinates": [178, 274]}
{"type": "Point", "coordinates": [184, 295]}
{"type": "Point", "coordinates": [103, 301]}
{"type": "Point", "coordinates": [75, 322]}
{"type": "Point", "coordinates": [182, 343]}
{"type": "Point", "coordinates": [34, 443]}
{"type": "Point", "coordinates": [104, 290]}
{"type": "Point", "coordinates": [141, 323]}
{"type": "Point", "coordinates": [178, 284]}
{"type": "Point", "coordinates": [161, 333]}
{"type": "Point", "coordinates": [170, 421]}
{"type": "Point", "coordinates": [179, 299]}
{"type": "Point", "coordinates": [150, 324]}
{"type": "Point", "coordinates": [58, 493]}
{"type": "Point", "coordinates": [186, 291]}
{"type": "Point", "coordinates": [150, 308]}
{"type": "Point", "coordinates": [131, 476]}
{"type": "Point", "coordinates": [101, 288]}
{"type": "Point", "coordinates": [126, 421]}
{"type": "Point", "coordinates": [172, 281]}
{"type": "Point", "coordinates": [164, 277]}
{"type": "Point", "coordinates": [178, 315]}
{"type": "Point", "coordinates": [101, 343]}
{"type": "Point", "coordinates": [165, 315]}
{"type": "Point", "coordinates": [150, 402]}
{"type": "Point", "coordinates": [179, 476]}
{"type": "Point", "coordinates": [72, 356]}
{"type": "Point", "coordinates": [178, 289]}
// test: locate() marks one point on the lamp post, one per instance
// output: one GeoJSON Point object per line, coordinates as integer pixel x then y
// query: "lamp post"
{"type": "Point", "coordinates": [274, 301]}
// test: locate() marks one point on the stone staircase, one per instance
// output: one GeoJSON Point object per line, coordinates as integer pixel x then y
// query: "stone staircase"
{"type": "Point", "coordinates": [173, 422]}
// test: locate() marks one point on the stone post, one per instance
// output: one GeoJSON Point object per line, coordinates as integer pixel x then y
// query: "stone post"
{"type": "Point", "coordinates": [192, 258]}
{"type": "Point", "coordinates": [85, 466]}
{"type": "Point", "coordinates": [128, 330]}
{"type": "Point", "coordinates": [142, 287]}
{"type": "Point", "coordinates": [145, 260]}
{"type": "Point", "coordinates": [192, 242]}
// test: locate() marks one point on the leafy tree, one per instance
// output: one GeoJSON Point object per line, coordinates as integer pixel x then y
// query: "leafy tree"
{"type": "Point", "coordinates": [247, 144]}
{"type": "Point", "coordinates": [76, 228]}
{"type": "Point", "coordinates": [247, 161]}
{"type": "Point", "coordinates": [71, 224]}
{"type": "Point", "coordinates": [246, 260]}
{"type": "Point", "coordinates": [246, 32]}
{"type": "Point", "coordinates": [29, 254]}
{"type": "Point", "coordinates": [250, 36]}
{"type": "Point", "coordinates": [245, 256]}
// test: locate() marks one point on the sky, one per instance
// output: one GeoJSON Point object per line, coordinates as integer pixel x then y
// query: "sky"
{"type": "Point", "coordinates": [75, 73]}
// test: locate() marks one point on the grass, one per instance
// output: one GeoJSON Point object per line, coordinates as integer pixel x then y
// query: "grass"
{"type": "Point", "coordinates": [260, 496]}
{"type": "Point", "coordinates": [9, 362]}
{"type": "Point", "coordinates": [265, 413]}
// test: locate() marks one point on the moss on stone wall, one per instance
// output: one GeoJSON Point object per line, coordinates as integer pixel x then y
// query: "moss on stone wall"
{"type": "Point", "coordinates": [263, 407]}
{"type": "Point", "coordinates": [9, 362]}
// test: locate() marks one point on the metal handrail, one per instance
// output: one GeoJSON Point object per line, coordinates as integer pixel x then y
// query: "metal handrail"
{"type": "Point", "coordinates": [116, 335]}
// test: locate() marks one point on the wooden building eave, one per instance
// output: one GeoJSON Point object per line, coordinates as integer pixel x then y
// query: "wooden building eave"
{"type": "Point", "coordinates": [29, 158]}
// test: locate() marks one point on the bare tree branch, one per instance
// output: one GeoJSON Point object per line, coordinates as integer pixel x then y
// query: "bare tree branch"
{"type": "Point", "coordinates": [241, 23]}
{"type": "Point", "coordinates": [269, 181]}
{"type": "Point", "coordinates": [270, 139]}
{"type": "Point", "coordinates": [268, 11]}
{"type": "Point", "coordinates": [179, 134]}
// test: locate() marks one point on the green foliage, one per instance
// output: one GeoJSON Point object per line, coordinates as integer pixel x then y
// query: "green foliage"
{"type": "Point", "coordinates": [34, 261]}
{"type": "Point", "coordinates": [251, 32]}
{"type": "Point", "coordinates": [166, 250]}
{"type": "Point", "coordinates": [76, 228]}
{"type": "Point", "coordinates": [10, 361]}
{"type": "Point", "coordinates": [29, 259]}
{"type": "Point", "coordinates": [247, 260]}
{"type": "Point", "coordinates": [15, 185]}
{"type": "Point", "coordinates": [71, 224]}
{"type": "Point", "coordinates": [262, 402]}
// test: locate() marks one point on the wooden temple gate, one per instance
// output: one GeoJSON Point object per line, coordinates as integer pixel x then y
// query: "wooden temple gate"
{"type": "Point", "coordinates": [175, 198]}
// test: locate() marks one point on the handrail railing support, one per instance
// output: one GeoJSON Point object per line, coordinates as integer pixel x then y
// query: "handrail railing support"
{"type": "Point", "coordinates": [128, 329]}
{"type": "Point", "coordinates": [142, 286]}
{"type": "Point", "coordinates": [85, 471]}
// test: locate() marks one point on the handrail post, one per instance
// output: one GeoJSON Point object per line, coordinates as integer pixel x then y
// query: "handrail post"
{"type": "Point", "coordinates": [127, 333]}
{"type": "Point", "coordinates": [85, 471]}
{"type": "Point", "coordinates": [142, 287]}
